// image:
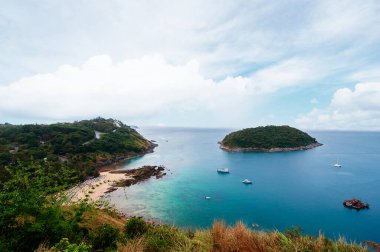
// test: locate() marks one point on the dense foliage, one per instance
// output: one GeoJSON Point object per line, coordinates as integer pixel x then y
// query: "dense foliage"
{"type": "Point", "coordinates": [28, 215]}
{"type": "Point", "coordinates": [268, 137]}
{"type": "Point", "coordinates": [71, 151]}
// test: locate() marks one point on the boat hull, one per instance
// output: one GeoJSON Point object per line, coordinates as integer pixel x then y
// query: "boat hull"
{"type": "Point", "coordinates": [355, 204]}
{"type": "Point", "coordinates": [223, 171]}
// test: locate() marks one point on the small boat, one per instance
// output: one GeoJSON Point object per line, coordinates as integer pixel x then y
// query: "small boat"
{"type": "Point", "coordinates": [207, 197]}
{"type": "Point", "coordinates": [255, 225]}
{"type": "Point", "coordinates": [337, 165]}
{"type": "Point", "coordinates": [224, 170]}
{"type": "Point", "coordinates": [355, 204]}
{"type": "Point", "coordinates": [247, 181]}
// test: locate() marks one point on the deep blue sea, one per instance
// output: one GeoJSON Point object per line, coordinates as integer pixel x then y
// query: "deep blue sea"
{"type": "Point", "coordinates": [289, 189]}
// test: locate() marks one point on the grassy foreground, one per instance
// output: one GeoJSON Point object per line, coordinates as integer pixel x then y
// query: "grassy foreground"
{"type": "Point", "coordinates": [108, 231]}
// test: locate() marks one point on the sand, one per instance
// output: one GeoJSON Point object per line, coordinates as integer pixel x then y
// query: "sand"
{"type": "Point", "coordinates": [94, 189]}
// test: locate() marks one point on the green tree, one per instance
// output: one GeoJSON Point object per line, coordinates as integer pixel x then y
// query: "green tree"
{"type": "Point", "coordinates": [29, 215]}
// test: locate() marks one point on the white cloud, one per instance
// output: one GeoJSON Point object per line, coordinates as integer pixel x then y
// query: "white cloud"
{"type": "Point", "coordinates": [341, 21]}
{"type": "Point", "coordinates": [136, 88]}
{"type": "Point", "coordinates": [145, 88]}
{"type": "Point", "coordinates": [357, 109]}
{"type": "Point", "coordinates": [265, 47]}
{"type": "Point", "coordinates": [226, 41]}
{"type": "Point", "coordinates": [370, 74]}
{"type": "Point", "coordinates": [291, 72]}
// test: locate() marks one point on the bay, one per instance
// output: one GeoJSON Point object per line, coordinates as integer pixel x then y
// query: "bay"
{"type": "Point", "coordinates": [299, 188]}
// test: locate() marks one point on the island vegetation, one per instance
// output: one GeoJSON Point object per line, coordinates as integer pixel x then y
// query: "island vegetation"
{"type": "Point", "coordinates": [268, 139]}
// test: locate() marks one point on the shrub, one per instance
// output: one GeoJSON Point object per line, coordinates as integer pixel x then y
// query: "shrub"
{"type": "Point", "coordinates": [135, 245]}
{"type": "Point", "coordinates": [105, 237]}
{"type": "Point", "coordinates": [3, 247]}
{"type": "Point", "coordinates": [28, 216]}
{"type": "Point", "coordinates": [65, 246]}
{"type": "Point", "coordinates": [135, 227]}
{"type": "Point", "coordinates": [162, 238]}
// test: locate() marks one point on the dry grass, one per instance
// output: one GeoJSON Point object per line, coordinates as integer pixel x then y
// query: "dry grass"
{"type": "Point", "coordinates": [135, 245]}
{"type": "Point", "coordinates": [43, 247]}
{"type": "Point", "coordinates": [237, 238]}
{"type": "Point", "coordinates": [94, 218]}
{"type": "Point", "coordinates": [220, 238]}
{"type": "Point", "coordinates": [240, 238]}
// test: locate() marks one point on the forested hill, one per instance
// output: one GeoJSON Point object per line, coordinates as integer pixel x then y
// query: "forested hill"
{"type": "Point", "coordinates": [267, 138]}
{"type": "Point", "coordinates": [71, 150]}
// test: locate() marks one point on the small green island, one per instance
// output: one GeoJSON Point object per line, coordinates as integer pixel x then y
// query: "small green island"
{"type": "Point", "coordinates": [268, 139]}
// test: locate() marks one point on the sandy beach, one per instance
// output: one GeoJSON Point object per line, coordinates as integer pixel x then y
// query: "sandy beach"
{"type": "Point", "coordinates": [94, 189]}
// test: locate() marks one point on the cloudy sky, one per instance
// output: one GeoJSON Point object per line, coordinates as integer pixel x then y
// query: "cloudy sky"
{"type": "Point", "coordinates": [309, 64]}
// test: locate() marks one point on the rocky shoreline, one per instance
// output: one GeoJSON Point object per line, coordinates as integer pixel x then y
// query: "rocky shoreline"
{"type": "Point", "coordinates": [96, 188]}
{"type": "Point", "coordinates": [237, 149]}
{"type": "Point", "coordinates": [137, 175]}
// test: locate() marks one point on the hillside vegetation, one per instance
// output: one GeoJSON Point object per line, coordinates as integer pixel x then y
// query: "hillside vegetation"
{"type": "Point", "coordinates": [70, 151]}
{"type": "Point", "coordinates": [268, 137]}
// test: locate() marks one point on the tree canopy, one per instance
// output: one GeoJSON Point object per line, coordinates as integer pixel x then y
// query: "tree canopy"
{"type": "Point", "coordinates": [268, 137]}
{"type": "Point", "coordinates": [69, 148]}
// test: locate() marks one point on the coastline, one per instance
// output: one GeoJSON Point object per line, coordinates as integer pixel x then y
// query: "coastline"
{"type": "Point", "coordinates": [300, 148]}
{"type": "Point", "coordinates": [96, 188]}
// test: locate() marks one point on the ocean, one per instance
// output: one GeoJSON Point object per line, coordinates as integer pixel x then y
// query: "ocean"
{"type": "Point", "coordinates": [300, 188]}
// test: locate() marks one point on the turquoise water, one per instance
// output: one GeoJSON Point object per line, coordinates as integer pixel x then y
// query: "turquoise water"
{"type": "Point", "coordinates": [290, 189]}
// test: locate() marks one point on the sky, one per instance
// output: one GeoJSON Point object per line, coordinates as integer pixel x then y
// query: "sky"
{"type": "Point", "coordinates": [310, 64]}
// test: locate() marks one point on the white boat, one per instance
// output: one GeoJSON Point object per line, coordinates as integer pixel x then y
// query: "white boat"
{"type": "Point", "coordinates": [224, 170]}
{"type": "Point", "coordinates": [207, 197]}
{"type": "Point", "coordinates": [247, 181]}
{"type": "Point", "coordinates": [337, 165]}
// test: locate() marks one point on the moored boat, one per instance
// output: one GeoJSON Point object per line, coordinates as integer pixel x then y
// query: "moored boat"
{"type": "Point", "coordinates": [337, 165]}
{"type": "Point", "coordinates": [247, 181]}
{"type": "Point", "coordinates": [223, 170]}
{"type": "Point", "coordinates": [355, 204]}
